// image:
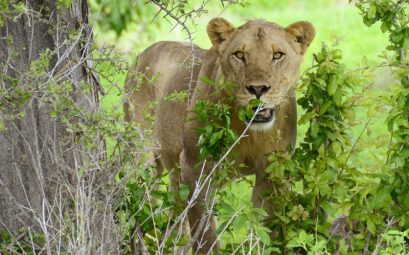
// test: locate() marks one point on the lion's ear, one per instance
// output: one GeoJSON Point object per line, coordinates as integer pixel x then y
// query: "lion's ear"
{"type": "Point", "coordinates": [304, 33]}
{"type": "Point", "coordinates": [218, 30]}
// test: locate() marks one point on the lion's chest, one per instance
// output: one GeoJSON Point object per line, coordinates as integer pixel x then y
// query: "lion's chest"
{"type": "Point", "coordinates": [253, 151]}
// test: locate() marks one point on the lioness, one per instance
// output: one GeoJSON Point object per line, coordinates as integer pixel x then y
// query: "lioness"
{"type": "Point", "coordinates": [263, 59]}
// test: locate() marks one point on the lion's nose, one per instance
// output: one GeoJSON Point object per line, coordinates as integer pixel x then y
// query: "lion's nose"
{"type": "Point", "coordinates": [258, 91]}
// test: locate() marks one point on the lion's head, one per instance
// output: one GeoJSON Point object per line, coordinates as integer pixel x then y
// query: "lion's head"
{"type": "Point", "coordinates": [263, 59]}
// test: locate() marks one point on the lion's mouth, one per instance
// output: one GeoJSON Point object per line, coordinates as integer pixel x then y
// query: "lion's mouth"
{"type": "Point", "coordinates": [263, 115]}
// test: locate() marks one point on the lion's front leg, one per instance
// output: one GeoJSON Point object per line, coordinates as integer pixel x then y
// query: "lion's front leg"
{"type": "Point", "coordinates": [203, 226]}
{"type": "Point", "coordinates": [262, 197]}
{"type": "Point", "coordinates": [200, 204]}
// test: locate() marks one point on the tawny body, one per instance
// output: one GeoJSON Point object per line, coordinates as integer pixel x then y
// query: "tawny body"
{"type": "Point", "coordinates": [259, 56]}
{"type": "Point", "coordinates": [152, 80]}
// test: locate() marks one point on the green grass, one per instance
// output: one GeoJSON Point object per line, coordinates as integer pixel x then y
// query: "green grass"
{"type": "Point", "coordinates": [333, 20]}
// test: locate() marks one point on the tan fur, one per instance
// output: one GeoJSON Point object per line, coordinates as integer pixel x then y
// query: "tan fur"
{"type": "Point", "coordinates": [173, 135]}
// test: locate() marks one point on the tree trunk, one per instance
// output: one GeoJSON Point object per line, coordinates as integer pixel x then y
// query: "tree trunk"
{"type": "Point", "coordinates": [36, 151]}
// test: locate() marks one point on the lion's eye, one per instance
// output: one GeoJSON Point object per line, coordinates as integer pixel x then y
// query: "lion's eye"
{"type": "Point", "coordinates": [278, 55]}
{"type": "Point", "coordinates": [239, 55]}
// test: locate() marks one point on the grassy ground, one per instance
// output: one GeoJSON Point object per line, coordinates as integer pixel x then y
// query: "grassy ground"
{"type": "Point", "coordinates": [334, 20]}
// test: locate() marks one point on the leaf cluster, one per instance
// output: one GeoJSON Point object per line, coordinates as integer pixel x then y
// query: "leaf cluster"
{"type": "Point", "coordinates": [214, 115]}
{"type": "Point", "coordinates": [393, 16]}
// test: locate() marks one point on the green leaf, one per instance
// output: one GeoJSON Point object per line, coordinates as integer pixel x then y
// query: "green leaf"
{"type": "Point", "coordinates": [372, 11]}
{"type": "Point", "coordinates": [396, 37]}
{"type": "Point", "coordinates": [239, 223]}
{"type": "Point", "coordinates": [263, 235]}
{"type": "Point", "coordinates": [215, 137]}
{"type": "Point", "coordinates": [325, 107]}
{"type": "Point", "coordinates": [207, 80]}
{"type": "Point", "coordinates": [293, 243]}
{"type": "Point", "coordinates": [406, 43]}
{"type": "Point", "coordinates": [260, 211]}
{"type": "Point", "coordinates": [314, 129]}
{"type": "Point", "coordinates": [255, 102]}
{"type": "Point", "coordinates": [384, 27]}
{"type": "Point", "coordinates": [382, 198]}
{"type": "Point", "coordinates": [299, 187]}
{"type": "Point", "coordinates": [338, 98]}
{"type": "Point", "coordinates": [332, 87]}
{"type": "Point", "coordinates": [271, 250]}
{"type": "Point", "coordinates": [242, 115]}
{"type": "Point", "coordinates": [371, 225]}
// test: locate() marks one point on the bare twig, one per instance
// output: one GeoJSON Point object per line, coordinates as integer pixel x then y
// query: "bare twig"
{"type": "Point", "coordinates": [140, 247]}
{"type": "Point", "coordinates": [390, 222]}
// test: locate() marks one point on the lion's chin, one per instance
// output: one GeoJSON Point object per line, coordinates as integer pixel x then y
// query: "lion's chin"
{"type": "Point", "coordinates": [262, 126]}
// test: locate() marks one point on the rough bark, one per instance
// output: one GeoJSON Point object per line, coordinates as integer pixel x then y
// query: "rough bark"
{"type": "Point", "coordinates": [36, 152]}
